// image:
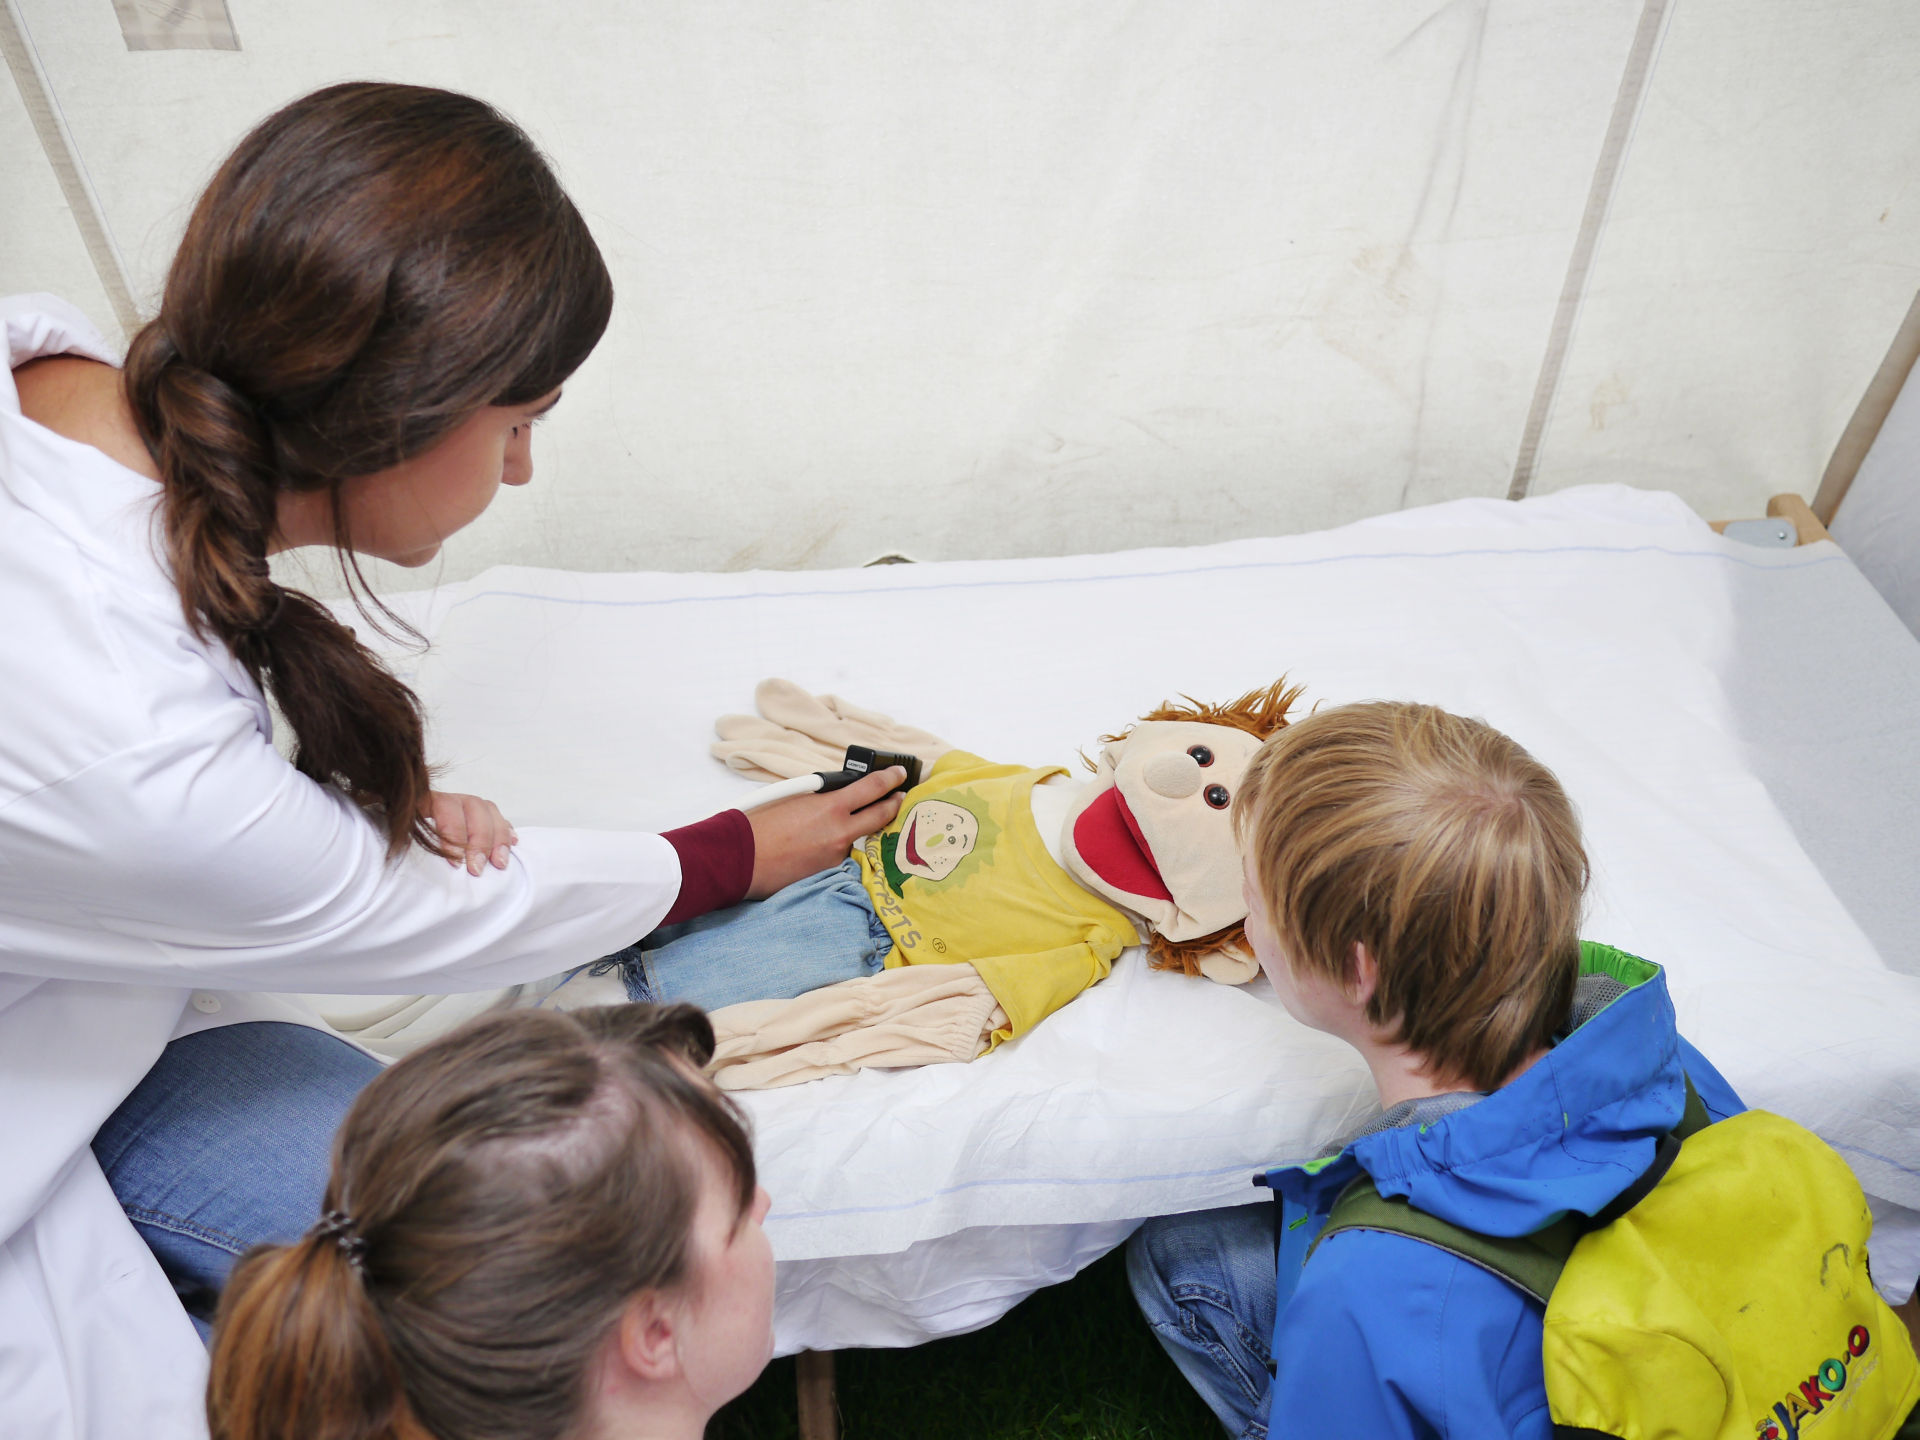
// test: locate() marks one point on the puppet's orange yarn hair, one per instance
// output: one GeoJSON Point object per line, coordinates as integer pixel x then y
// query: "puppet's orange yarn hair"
{"type": "Point", "coordinates": [1185, 955]}
{"type": "Point", "coordinates": [1260, 713]}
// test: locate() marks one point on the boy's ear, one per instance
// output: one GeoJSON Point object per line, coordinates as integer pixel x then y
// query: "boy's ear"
{"type": "Point", "coordinates": [645, 1338]}
{"type": "Point", "coordinates": [1364, 974]}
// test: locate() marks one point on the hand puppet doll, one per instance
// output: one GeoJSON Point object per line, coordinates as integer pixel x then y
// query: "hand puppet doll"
{"type": "Point", "coordinates": [998, 893]}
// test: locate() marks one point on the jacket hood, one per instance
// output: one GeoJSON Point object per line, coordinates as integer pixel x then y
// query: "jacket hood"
{"type": "Point", "coordinates": [1569, 1134]}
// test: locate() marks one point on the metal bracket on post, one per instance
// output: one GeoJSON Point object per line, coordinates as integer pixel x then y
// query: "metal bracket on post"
{"type": "Point", "coordinates": [1791, 517]}
{"type": "Point", "coordinates": [819, 1412]}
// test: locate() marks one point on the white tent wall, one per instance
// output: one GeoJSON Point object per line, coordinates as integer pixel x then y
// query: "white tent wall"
{"type": "Point", "coordinates": [983, 280]}
{"type": "Point", "coordinates": [1761, 251]}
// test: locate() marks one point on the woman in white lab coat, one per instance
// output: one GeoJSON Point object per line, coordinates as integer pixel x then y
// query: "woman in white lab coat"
{"type": "Point", "coordinates": [380, 292]}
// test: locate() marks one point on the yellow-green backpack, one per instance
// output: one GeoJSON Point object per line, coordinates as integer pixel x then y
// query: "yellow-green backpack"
{"type": "Point", "coordinates": [1724, 1296]}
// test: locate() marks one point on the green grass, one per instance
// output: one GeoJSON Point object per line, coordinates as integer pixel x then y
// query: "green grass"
{"type": "Point", "coordinates": [1074, 1362]}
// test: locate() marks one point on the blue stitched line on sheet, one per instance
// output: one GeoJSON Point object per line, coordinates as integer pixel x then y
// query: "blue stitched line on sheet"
{"type": "Point", "coordinates": [1148, 575]}
{"type": "Point", "coordinates": [793, 1215]}
{"type": "Point", "coordinates": [1247, 1169]}
{"type": "Point", "coordinates": [1890, 1164]}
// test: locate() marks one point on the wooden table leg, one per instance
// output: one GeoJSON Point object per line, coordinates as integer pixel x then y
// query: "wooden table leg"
{"type": "Point", "coordinates": [819, 1414]}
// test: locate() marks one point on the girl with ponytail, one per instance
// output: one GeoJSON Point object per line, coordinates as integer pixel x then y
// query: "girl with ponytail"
{"type": "Point", "coordinates": [538, 1227]}
{"type": "Point", "coordinates": [379, 293]}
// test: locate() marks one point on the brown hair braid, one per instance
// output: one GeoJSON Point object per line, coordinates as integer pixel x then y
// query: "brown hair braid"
{"type": "Point", "coordinates": [372, 265]}
{"type": "Point", "coordinates": [501, 1194]}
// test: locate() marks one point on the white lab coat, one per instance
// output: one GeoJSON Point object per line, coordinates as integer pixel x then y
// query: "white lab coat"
{"type": "Point", "coordinates": [158, 860]}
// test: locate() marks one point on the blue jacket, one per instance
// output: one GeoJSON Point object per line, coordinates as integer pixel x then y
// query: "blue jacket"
{"type": "Point", "coordinates": [1383, 1335]}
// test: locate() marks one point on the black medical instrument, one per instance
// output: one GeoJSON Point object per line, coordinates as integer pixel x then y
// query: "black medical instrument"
{"type": "Point", "coordinates": [860, 760]}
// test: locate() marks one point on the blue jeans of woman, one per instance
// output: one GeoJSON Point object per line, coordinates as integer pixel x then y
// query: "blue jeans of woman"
{"type": "Point", "coordinates": [226, 1144]}
{"type": "Point", "coordinates": [1206, 1284]}
{"type": "Point", "coordinates": [817, 931]}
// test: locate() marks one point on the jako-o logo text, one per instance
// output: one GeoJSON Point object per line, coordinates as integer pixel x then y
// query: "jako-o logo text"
{"type": "Point", "coordinates": [1815, 1391]}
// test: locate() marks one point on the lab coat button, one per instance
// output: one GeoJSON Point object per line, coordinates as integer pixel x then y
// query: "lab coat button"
{"type": "Point", "coordinates": [206, 1004]}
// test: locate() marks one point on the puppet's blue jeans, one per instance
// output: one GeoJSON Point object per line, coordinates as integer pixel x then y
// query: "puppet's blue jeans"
{"type": "Point", "coordinates": [225, 1145]}
{"type": "Point", "coordinates": [1206, 1284]}
{"type": "Point", "coordinates": [818, 931]}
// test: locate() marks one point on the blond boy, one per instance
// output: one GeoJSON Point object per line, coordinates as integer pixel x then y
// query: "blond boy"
{"type": "Point", "coordinates": [1414, 886]}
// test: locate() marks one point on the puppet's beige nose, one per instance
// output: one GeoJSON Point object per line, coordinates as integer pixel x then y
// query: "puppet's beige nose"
{"type": "Point", "coordinates": [1174, 775]}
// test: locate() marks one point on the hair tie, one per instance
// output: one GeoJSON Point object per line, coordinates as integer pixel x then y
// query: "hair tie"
{"type": "Point", "coordinates": [339, 1227]}
{"type": "Point", "coordinates": [272, 617]}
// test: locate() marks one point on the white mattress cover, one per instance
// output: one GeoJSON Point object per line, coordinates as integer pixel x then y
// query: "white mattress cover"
{"type": "Point", "coordinates": [1597, 626]}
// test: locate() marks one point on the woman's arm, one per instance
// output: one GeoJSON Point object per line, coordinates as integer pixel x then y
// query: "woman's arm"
{"type": "Point", "coordinates": [203, 858]}
{"type": "Point", "coordinates": [722, 860]}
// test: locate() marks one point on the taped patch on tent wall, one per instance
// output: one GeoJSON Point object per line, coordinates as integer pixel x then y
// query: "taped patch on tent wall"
{"type": "Point", "coordinates": [176, 24]}
{"type": "Point", "coordinates": [16, 46]}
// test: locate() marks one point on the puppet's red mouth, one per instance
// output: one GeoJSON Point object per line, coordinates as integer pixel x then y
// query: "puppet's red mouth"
{"type": "Point", "coordinates": [913, 850]}
{"type": "Point", "coordinates": [1109, 840]}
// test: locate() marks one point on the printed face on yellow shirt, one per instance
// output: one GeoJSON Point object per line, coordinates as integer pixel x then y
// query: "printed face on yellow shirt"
{"type": "Point", "coordinates": [936, 836]}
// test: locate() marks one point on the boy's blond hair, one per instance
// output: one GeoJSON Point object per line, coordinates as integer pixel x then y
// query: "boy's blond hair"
{"type": "Point", "coordinates": [1444, 848]}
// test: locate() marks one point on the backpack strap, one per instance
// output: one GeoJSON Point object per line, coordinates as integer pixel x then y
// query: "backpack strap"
{"type": "Point", "coordinates": [1531, 1263]}
{"type": "Point", "coordinates": [1693, 1119]}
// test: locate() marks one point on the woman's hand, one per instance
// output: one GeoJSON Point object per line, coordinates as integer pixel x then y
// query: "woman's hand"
{"type": "Point", "coordinates": [795, 838]}
{"type": "Point", "coordinates": [473, 826]}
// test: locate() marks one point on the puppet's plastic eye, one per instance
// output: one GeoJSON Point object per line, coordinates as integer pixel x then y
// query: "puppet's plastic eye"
{"type": "Point", "coordinates": [1202, 756]}
{"type": "Point", "coordinates": [1218, 797]}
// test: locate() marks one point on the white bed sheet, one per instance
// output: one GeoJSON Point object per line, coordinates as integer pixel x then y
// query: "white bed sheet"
{"type": "Point", "coordinates": [1599, 626]}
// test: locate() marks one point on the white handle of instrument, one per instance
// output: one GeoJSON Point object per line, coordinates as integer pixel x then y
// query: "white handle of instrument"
{"type": "Point", "coordinates": [779, 790]}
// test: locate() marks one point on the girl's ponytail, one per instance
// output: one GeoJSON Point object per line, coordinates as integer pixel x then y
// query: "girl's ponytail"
{"type": "Point", "coordinates": [512, 1187]}
{"type": "Point", "coordinates": [299, 1350]}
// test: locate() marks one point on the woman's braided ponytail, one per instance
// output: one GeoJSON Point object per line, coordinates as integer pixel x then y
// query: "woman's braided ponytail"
{"type": "Point", "coordinates": [356, 726]}
{"type": "Point", "coordinates": [372, 265]}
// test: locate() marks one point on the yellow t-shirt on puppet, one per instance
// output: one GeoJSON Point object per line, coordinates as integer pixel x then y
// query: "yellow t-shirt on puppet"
{"type": "Point", "coordinates": [962, 875]}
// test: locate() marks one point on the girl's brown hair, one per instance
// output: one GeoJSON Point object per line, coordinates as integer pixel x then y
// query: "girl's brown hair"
{"type": "Point", "coordinates": [1443, 847]}
{"type": "Point", "coordinates": [373, 265]}
{"type": "Point", "coordinates": [497, 1198]}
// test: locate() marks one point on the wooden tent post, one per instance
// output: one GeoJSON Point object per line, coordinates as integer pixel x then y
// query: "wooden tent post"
{"type": "Point", "coordinates": [1868, 416]}
{"type": "Point", "coordinates": [819, 1414]}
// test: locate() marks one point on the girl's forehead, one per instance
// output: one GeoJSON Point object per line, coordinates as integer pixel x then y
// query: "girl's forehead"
{"type": "Point", "coordinates": [716, 1173]}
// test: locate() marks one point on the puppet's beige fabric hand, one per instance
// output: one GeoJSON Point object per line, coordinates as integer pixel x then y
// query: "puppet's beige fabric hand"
{"type": "Point", "coordinates": [796, 733]}
{"type": "Point", "coordinates": [1231, 964]}
{"type": "Point", "coordinates": [763, 751]}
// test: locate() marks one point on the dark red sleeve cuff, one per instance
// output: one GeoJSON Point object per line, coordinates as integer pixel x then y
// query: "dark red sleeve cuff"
{"type": "Point", "coordinates": [716, 864]}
